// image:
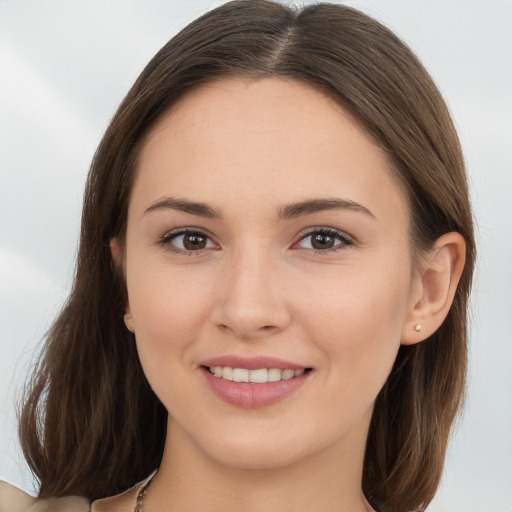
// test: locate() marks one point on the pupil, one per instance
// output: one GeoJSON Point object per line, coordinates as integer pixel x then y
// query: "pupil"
{"type": "Point", "coordinates": [194, 242]}
{"type": "Point", "coordinates": [321, 241]}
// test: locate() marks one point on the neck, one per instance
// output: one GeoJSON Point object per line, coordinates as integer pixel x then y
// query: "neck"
{"type": "Point", "coordinates": [327, 481]}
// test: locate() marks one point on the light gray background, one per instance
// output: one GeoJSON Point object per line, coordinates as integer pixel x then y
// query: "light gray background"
{"type": "Point", "coordinates": [64, 67]}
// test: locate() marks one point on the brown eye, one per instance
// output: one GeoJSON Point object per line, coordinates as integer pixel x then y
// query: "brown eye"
{"type": "Point", "coordinates": [186, 242]}
{"type": "Point", "coordinates": [194, 242]}
{"type": "Point", "coordinates": [324, 240]}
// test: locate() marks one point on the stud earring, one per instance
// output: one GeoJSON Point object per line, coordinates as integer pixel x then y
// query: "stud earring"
{"type": "Point", "coordinates": [417, 328]}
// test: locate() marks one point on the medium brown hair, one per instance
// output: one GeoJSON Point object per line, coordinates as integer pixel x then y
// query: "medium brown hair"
{"type": "Point", "coordinates": [90, 423]}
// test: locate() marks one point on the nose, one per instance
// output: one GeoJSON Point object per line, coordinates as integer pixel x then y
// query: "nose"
{"type": "Point", "coordinates": [251, 301]}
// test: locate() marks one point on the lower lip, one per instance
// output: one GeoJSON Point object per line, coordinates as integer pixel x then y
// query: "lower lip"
{"type": "Point", "coordinates": [252, 396]}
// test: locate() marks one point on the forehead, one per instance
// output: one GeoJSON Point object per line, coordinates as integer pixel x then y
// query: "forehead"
{"type": "Point", "coordinates": [260, 142]}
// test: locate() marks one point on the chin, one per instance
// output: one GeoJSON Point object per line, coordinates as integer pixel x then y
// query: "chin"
{"type": "Point", "coordinates": [262, 449]}
{"type": "Point", "coordinates": [254, 456]}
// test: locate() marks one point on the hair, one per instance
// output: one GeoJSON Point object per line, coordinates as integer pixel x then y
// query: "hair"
{"type": "Point", "coordinates": [90, 423]}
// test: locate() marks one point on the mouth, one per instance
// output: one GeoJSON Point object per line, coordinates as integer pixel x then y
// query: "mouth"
{"type": "Point", "coordinates": [255, 376]}
{"type": "Point", "coordinates": [255, 387]}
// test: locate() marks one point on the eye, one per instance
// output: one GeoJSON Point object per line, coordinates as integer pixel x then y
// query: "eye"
{"type": "Point", "coordinates": [324, 240]}
{"type": "Point", "coordinates": [186, 241]}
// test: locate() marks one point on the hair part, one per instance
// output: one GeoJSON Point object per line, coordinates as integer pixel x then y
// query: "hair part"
{"type": "Point", "coordinates": [90, 423]}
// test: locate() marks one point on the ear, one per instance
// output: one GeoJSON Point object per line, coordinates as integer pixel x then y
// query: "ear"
{"type": "Point", "coordinates": [115, 251]}
{"type": "Point", "coordinates": [434, 287]}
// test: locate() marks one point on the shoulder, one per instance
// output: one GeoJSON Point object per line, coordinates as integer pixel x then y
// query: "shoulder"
{"type": "Point", "coordinates": [13, 499]}
{"type": "Point", "coordinates": [124, 502]}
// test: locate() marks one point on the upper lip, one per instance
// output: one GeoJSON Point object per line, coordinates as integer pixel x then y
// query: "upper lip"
{"type": "Point", "coordinates": [251, 363]}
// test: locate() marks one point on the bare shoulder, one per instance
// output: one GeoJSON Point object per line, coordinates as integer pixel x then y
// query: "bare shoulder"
{"type": "Point", "coordinates": [124, 502]}
{"type": "Point", "coordinates": [13, 499]}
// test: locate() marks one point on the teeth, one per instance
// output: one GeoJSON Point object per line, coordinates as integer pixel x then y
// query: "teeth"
{"type": "Point", "coordinates": [274, 375]}
{"type": "Point", "coordinates": [288, 374]}
{"type": "Point", "coordinates": [240, 375]}
{"type": "Point", "coordinates": [227, 373]}
{"type": "Point", "coordinates": [259, 376]}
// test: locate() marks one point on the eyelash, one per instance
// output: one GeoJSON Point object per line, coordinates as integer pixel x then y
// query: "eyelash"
{"type": "Point", "coordinates": [344, 240]}
{"type": "Point", "coordinates": [165, 241]}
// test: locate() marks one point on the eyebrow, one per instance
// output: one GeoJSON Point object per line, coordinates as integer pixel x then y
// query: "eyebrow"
{"type": "Point", "coordinates": [319, 205]}
{"type": "Point", "coordinates": [186, 206]}
{"type": "Point", "coordinates": [285, 212]}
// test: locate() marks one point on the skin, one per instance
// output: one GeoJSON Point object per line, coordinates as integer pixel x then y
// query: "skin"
{"type": "Point", "coordinates": [258, 287]}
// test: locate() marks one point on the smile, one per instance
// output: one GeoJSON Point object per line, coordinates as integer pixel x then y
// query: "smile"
{"type": "Point", "coordinates": [257, 376]}
{"type": "Point", "coordinates": [256, 387]}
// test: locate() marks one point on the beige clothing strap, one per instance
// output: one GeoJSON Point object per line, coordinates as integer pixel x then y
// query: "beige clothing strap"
{"type": "Point", "coordinates": [13, 499]}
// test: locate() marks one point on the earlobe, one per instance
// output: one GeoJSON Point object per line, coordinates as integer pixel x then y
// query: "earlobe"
{"type": "Point", "coordinates": [435, 287]}
{"type": "Point", "coordinates": [116, 257]}
{"type": "Point", "coordinates": [128, 320]}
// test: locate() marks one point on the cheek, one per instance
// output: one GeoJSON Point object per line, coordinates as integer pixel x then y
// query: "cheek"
{"type": "Point", "coordinates": [357, 326]}
{"type": "Point", "coordinates": [168, 310]}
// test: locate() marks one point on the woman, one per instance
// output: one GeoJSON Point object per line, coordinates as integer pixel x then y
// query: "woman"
{"type": "Point", "coordinates": [270, 299]}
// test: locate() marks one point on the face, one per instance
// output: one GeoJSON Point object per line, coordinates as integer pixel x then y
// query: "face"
{"type": "Point", "coordinates": [267, 241]}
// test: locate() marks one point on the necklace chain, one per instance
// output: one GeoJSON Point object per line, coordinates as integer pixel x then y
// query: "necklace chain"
{"type": "Point", "coordinates": [141, 495]}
